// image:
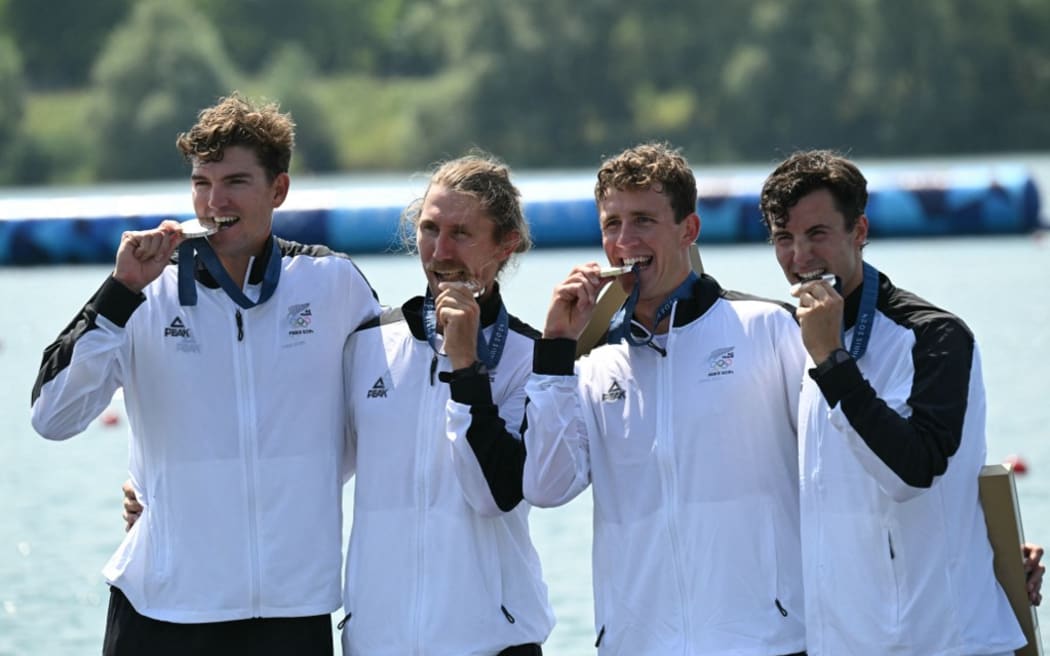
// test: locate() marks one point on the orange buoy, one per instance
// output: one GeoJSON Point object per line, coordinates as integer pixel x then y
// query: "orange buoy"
{"type": "Point", "coordinates": [1017, 464]}
{"type": "Point", "coordinates": [110, 418]}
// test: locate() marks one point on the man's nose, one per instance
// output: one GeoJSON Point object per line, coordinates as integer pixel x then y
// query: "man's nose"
{"type": "Point", "coordinates": [627, 236]}
{"type": "Point", "coordinates": [444, 246]}
{"type": "Point", "coordinates": [217, 197]}
{"type": "Point", "coordinates": [800, 252]}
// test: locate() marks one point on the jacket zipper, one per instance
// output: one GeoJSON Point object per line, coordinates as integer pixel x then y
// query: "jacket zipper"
{"type": "Point", "coordinates": [246, 410]}
{"type": "Point", "coordinates": [423, 434]}
{"type": "Point", "coordinates": [506, 613]}
{"type": "Point", "coordinates": [342, 622]}
{"type": "Point", "coordinates": [665, 460]}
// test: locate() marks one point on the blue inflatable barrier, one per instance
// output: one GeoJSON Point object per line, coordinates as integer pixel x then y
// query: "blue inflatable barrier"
{"type": "Point", "coordinates": [967, 200]}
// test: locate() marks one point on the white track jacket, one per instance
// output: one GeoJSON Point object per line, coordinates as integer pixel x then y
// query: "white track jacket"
{"type": "Point", "coordinates": [895, 547]}
{"type": "Point", "coordinates": [236, 445]}
{"type": "Point", "coordinates": [693, 460]}
{"type": "Point", "coordinates": [439, 561]}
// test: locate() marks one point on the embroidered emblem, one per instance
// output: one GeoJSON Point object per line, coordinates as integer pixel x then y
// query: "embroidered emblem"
{"type": "Point", "coordinates": [299, 318]}
{"type": "Point", "coordinates": [378, 390]}
{"type": "Point", "coordinates": [720, 361]}
{"type": "Point", "coordinates": [615, 393]}
{"type": "Point", "coordinates": [178, 330]}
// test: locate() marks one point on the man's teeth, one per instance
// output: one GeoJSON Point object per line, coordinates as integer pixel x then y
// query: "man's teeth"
{"type": "Point", "coordinates": [453, 276]}
{"type": "Point", "coordinates": [631, 261]}
{"type": "Point", "coordinates": [812, 275]}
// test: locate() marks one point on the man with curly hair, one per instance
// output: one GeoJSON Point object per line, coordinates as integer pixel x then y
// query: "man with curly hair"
{"type": "Point", "coordinates": [684, 425]}
{"type": "Point", "coordinates": [228, 359]}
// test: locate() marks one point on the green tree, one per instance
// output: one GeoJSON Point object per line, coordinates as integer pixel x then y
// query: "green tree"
{"type": "Point", "coordinates": [158, 70]}
{"type": "Point", "coordinates": [340, 35]}
{"type": "Point", "coordinates": [22, 160]}
{"type": "Point", "coordinates": [60, 38]}
{"type": "Point", "coordinates": [975, 78]}
{"type": "Point", "coordinates": [286, 80]}
{"type": "Point", "coordinates": [12, 90]}
{"type": "Point", "coordinates": [789, 81]}
{"type": "Point", "coordinates": [541, 91]}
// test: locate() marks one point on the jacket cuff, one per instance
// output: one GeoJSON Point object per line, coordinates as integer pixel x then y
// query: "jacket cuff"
{"type": "Point", "coordinates": [836, 383]}
{"type": "Point", "coordinates": [554, 357]}
{"type": "Point", "coordinates": [116, 302]}
{"type": "Point", "coordinates": [471, 390]}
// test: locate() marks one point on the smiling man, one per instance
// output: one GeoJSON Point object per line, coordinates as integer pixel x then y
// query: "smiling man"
{"type": "Point", "coordinates": [684, 423]}
{"type": "Point", "coordinates": [895, 550]}
{"type": "Point", "coordinates": [440, 560]}
{"type": "Point", "coordinates": [229, 361]}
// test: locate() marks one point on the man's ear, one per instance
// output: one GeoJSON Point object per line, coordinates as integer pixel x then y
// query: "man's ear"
{"type": "Point", "coordinates": [280, 189]}
{"type": "Point", "coordinates": [692, 228]}
{"type": "Point", "coordinates": [509, 244]}
{"type": "Point", "coordinates": [860, 231]}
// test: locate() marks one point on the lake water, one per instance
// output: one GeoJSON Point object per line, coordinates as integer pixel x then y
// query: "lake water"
{"type": "Point", "coordinates": [60, 502]}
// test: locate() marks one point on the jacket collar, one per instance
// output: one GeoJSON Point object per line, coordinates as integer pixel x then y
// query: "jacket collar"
{"type": "Point", "coordinates": [705, 292]}
{"type": "Point", "coordinates": [255, 274]}
{"type": "Point", "coordinates": [413, 312]}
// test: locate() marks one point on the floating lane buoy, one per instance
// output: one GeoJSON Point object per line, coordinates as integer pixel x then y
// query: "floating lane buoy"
{"type": "Point", "coordinates": [110, 418]}
{"type": "Point", "coordinates": [1017, 464]}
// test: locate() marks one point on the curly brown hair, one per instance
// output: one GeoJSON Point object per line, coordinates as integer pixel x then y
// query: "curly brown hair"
{"type": "Point", "coordinates": [237, 121]}
{"type": "Point", "coordinates": [653, 165]}
{"type": "Point", "coordinates": [805, 172]}
{"type": "Point", "coordinates": [487, 179]}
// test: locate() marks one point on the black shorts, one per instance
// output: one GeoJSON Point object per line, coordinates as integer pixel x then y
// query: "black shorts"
{"type": "Point", "coordinates": [128, 633]}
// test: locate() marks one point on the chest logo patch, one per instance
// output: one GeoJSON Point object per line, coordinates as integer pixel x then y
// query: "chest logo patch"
{"type": "Point", "coordinates": [381, 387]}
{"type": "Point", "coordinates": [614, 393]}
{"type": "Point", "coordinates": [720, 362]}
{"type": "Point", "coordinates": [180, 332]}
{"type": "Point", "coordinates": [299, 319]}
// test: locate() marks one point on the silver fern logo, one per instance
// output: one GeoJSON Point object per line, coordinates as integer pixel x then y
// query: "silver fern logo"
{"type": "Point", "coordinates": [720, 361]}
{"type": "Point", "coordinates": [299, 319]}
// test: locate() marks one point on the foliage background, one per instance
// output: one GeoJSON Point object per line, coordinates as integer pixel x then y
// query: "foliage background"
{"type": "Point", "coordinates": [93, 92]}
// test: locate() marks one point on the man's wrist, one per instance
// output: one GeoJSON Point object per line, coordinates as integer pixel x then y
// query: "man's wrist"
{"type": "Point", "coordinates": [477, 368]}
{"type": "Point", "coordinates": [834, 359]}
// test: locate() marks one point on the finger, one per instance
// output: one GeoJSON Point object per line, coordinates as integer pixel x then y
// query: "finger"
{"type": "Point", "coordinates": [805, 299]}
{"type": "Point", "coordinates": [447, 316]}
{"type": "Point", "coordinates": [131, 516]}
{"type": "Point", "coordinates": [146, 246]}
{"type": "Point", "coordinates": [460, 292]}
{"type": "Point", "coordinates": [158, 241]}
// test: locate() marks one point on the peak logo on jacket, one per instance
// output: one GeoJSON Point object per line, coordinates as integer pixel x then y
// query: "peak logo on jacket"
{"type": "Point", "coordinates": [178, 330]}
{"type": "Point", "coordinates": [380, 387]}
{"type": "Point", "coordinates": [720, 361]}
{"type": "Point", "coordinates": [614, 393]}
{"type": "Point", "coordinates": [299, 318]}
